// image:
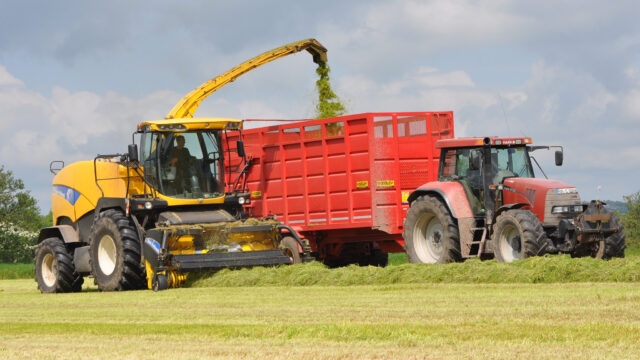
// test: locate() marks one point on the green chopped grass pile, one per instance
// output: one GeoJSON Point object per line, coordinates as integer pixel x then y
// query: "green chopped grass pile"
{"type": "Point", "coordinates": [549, 269]}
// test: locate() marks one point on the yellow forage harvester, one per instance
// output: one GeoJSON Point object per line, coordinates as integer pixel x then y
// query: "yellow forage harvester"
{"type": "Point", "coordinates": [175, 204]}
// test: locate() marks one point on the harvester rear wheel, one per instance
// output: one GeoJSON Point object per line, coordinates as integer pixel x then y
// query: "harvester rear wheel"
{"type": "Point", "coordinates": [290, 247]}
{"type": "Point", "coordinates": [54, 268]}
{"type": "Point", "coordinates": [518, 234]}
{"type": "Point", "coordinates": [115, 253]}
{"type": "Point", "coordinates": [430, 233]}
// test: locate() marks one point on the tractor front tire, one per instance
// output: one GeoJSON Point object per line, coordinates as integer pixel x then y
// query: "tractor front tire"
{"type": "Point", "coordinates": [290, 247]}
{"type": "Point", "coordinates": [517, 235]}
{"type": "Point", "coordinates": [115, 253]}
{"type": "Point", "coordinates": [54, 268]}
{"type": "Point", "coordinates": [430, 233]}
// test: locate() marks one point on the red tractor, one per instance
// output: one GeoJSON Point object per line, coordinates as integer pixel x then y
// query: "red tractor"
{"type": "Point", "coordinates": [488, 203]}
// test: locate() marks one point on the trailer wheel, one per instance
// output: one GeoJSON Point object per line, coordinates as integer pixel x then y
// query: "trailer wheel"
{"type": "Point", "coordinates": [378, 258]}
{"type": "Point", "coordinates": [115, 253]}
{"type": "Point", "coordinates": [430, 234]}
{"type": "Point", "coordinates": [518, 234]}
{"type": "Point", "coordinates": [54, 268]}
{"type": "Point", "coordinates": [290, 247]}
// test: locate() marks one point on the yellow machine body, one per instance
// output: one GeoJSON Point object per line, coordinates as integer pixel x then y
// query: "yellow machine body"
{"type": "Point", "coordinates": [79, 187]}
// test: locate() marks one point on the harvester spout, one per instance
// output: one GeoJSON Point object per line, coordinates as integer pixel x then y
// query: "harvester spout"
{"type": "Point", "coordinates": [188, 105]}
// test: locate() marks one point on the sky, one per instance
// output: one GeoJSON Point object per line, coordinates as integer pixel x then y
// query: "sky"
{"type": "Point", "coordinates": [77, 77]}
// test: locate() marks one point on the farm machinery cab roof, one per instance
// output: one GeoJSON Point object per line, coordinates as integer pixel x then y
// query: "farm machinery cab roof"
{"type": "Point", "coordinates": [487, 202]}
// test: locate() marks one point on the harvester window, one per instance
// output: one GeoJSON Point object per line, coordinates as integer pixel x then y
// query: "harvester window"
{"type": "Point", "coordinates": [184, 165]}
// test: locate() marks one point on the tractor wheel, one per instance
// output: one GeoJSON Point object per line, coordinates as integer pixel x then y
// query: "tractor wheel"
{"type": "Point", "coordinates": [517, 235]}
{"type": "Point", "coordinates": [290, 247]}
{"type": "Point", "coordinates": [430, 234]}
{"type": "Point", "coordinates": [115, 253]}
{"type": "Point", "coordinates": [54, 268]}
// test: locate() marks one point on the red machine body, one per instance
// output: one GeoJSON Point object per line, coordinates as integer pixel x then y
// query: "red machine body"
{"type": "Point", "coordinates": [343, 183]}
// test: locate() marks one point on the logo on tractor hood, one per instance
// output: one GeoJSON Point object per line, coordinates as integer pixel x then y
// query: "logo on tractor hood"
{"type": "Point", "coordinates": [67, 193]}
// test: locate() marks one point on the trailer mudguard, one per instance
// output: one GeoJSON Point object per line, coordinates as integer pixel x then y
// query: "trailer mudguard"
{"type": "Point", "coordinates": [450, 192]}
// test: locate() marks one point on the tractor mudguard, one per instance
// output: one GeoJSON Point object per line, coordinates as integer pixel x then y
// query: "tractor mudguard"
{"type": "Point", "coordinates": [65, 232]}
{"type": "Point", "coordinates": [450, 192]}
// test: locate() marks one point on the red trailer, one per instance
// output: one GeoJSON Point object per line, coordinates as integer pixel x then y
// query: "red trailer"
{"type": "Point", "coordinates": [342, 183]}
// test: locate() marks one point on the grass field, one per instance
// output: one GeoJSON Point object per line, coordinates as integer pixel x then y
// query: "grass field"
{"type": "Point", "coordinates": [432, 321]}
{"type": "Point", "coordinates": [541, 308]}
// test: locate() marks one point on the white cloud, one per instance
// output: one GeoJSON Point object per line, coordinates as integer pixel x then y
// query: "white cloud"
{"type": "Point", "coordinates": [632, 104]}
{"type": "Point", "coordinates": [454, 78]}
{"type": "Point", "coordinates": [7, 79]}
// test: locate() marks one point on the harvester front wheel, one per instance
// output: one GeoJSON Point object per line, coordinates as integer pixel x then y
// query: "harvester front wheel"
{"type": "Point", "coordinates": [518, 234]}
{"type": "Point", "coordinates": [54, 268]}
{"type": "Point", "coordinates": [430, 233]}
{"type": "Point", "coordinates": [115, 253]}
{"type": "Point", "coordinates": [290, 247]}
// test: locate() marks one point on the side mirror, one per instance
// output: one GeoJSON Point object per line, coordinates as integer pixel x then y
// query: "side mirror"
{"type": "Point", "coordinates": [559, 158]}
{"type": "Point", "coordinates": [240, 148]}
{"type": "Point", "coordinates": [56, 166]}
{"type": "Point", "coordinates": [474, 161]}
{"type": "Point", "coordinates": [133, 153]}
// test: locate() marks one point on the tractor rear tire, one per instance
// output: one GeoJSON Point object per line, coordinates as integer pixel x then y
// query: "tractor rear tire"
{"type": "Point", "coordinates": [517, 235]}
{"type": "Point", "coordinates": [115, 253]}
{"type": "Point", "coordinates": [54, 268]}
{"type": "Point", "coordinates": [430, 233]}
{"type": "Point", "coordinates": [290, 247]}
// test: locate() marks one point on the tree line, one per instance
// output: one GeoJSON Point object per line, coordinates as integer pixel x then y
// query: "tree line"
{"type": "Point", "coordinates": [20, 220]}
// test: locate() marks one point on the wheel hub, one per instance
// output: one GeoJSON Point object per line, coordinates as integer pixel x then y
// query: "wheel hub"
{"type": "Point", "coordinates": [510, 243]}
{"type": "Point", "coordinates": [429, 235]}
{"type": "Point", "coordinates": [49, 270]}
{"type": "Point", "coordinates": [107, 255]}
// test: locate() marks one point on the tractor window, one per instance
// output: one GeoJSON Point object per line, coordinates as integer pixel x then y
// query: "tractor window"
{"type": "Point", "coordinates": [510, 162]}
{"type": "Point", "coordinates": [449, 166]}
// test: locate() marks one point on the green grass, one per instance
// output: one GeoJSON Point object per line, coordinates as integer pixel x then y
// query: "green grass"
{"type": "Point", "coordinates": [433, 321]}
{"type": "Point", "coordinates": [549, 269]}
{"type": "Point", "coordinates": [16, 271]}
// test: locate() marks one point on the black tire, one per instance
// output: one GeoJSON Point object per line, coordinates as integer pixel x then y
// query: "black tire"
{"type": "Point", "coordinates": [54, 268]}
{"type": "Point", "coordinates": [290, 246]}
{"type": "Point", "coordinates": [159, 282]}
{"type": "Point", "coordinates": [115, 253]}
{"type": "Point", "coordinates": [430, 233]}
{"type": "Point", "coordinates": [378, 258]}
{"type": "Point", "coordinates": [517, 235]}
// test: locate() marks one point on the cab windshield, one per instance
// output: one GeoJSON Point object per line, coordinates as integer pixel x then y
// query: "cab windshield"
{"type": "Point", "coordinates": [505, 162]}
{"type": "Point", "coordinates": [186, 165]}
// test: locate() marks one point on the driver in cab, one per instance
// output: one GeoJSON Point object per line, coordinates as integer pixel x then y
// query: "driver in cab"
{"type": "Point", "coordinates": [180, 158]}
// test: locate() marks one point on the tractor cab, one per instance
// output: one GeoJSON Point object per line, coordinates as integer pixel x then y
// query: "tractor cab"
{"type": "Point", "coordinates": [481, 165]}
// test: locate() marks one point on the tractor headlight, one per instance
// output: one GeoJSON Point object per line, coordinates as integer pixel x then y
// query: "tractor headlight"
{"type": "Point", "coordinates": [241, 200]}
{"type": "Point", "coordinates": [148, 205]}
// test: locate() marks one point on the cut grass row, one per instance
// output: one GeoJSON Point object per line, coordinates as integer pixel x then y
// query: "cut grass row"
{"type": "Point", "coordinates": [434, 321]}
{"type": "Point", "coordinates": [548, 269]}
